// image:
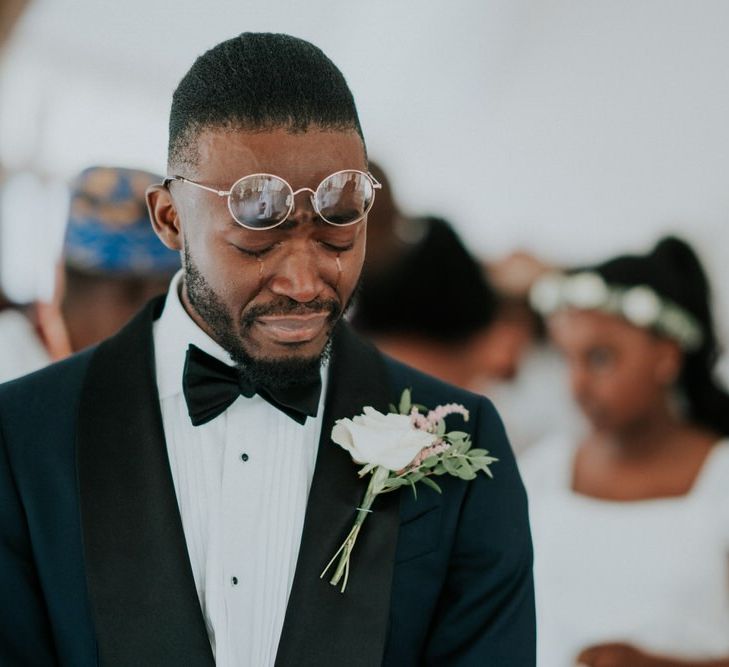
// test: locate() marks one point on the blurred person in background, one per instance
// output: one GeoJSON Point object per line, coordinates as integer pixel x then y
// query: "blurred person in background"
{"type": "Point", "coordinates": [113, 261]}
{"type": "Point", "coordinates": [112, 264]}
{"type": "Point", "coordinates": [10, 12]}
{"type": "Point", "coordinates": [431, 307]}
{"type": "Point", "coordinates": [21, 337]}
{"type": "Point", "coordinates": [23, 348]}
{"type": "Point", "coordinates": [389, 231]}
{"type": "Point", "coordinates": [448, 322]}
{"type": "Point", "coordinates": [534, 398]}
{"type": "Point", "coordinates": [631, 523]}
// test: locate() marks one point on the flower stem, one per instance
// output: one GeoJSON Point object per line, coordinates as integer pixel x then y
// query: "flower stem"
{"type": "Point", "coordinates": [343, 565]}
{"type": "Point", "coordinates": [341, 573]}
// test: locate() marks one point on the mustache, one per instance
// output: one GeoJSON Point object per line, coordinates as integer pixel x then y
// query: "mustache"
{"type": "Point", "coordinates": [286, 306]}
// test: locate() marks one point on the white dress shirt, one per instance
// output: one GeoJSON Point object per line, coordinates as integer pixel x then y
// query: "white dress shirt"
{"type": "Point", "coordinates": [242, 482]}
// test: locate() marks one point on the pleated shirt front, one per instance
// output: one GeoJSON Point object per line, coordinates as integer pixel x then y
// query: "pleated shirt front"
{"type": "Point", "coordinates": [242, 482]}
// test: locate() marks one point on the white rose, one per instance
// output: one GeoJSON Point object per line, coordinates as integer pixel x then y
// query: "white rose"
{"type": "Point", "coordinates": [388, 440]}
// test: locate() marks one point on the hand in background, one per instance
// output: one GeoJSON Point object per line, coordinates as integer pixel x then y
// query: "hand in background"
{"type": "Point", "coordinates": [616, 655]}
{"type": "Point", "coordinates": [625, 655]}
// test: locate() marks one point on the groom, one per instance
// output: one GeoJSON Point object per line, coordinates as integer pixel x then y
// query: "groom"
{"type": "Point", "coordinates": [172, 496]}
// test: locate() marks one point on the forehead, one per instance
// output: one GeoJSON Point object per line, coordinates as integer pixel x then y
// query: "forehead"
{"type": "Point", "coordinates": [302, 158]}
{"type": "Point", "coordinates": [586, 327]}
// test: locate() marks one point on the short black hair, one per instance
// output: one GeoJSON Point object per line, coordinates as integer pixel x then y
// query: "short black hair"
{"type": "Point", "coordinates": [435, 290]}
{"type": "Point", "coordinates": [258, 82]}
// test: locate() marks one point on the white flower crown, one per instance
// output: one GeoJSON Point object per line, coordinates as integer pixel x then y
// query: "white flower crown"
{"type": "Point", "coordinates": [640, 305]}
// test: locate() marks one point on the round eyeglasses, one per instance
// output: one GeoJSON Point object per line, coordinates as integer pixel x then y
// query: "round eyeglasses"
{"type": "Point", "coordinates": [264, 201]}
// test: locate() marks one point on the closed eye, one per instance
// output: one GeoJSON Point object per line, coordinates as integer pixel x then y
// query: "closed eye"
{"type": "Point", "coordinates": [256, 252]}
{"type": "Point", "coordinates": [337, 248]}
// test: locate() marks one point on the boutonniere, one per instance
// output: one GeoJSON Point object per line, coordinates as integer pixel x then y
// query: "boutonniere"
{"type": "Point", "coordinates": [410, 445]}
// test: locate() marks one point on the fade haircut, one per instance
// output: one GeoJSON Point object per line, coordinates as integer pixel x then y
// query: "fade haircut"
{"type": "Point", "coordinates": [258, 82]}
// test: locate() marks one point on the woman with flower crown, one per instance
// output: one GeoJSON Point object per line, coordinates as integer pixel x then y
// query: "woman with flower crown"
{"type": "Point", "coordinates": [631, 524]}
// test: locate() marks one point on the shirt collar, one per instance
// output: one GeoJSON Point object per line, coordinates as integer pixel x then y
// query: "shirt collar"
{"type": "Point", "coordinates": [174, 331]}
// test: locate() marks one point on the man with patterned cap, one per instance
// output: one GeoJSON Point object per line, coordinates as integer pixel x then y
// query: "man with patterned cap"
{"type": "Point", "coordinates": [112, 263]}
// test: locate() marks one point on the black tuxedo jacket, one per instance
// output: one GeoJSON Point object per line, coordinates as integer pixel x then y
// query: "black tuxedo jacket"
{"type": "Point", "coordinates": [93, 563]}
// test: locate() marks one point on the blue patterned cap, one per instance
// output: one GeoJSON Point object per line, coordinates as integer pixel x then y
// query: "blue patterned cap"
{"type": "Point", "coordinates": [109, 231]}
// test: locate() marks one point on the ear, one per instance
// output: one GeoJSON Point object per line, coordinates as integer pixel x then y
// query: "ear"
{"type": "Point", "coordinates": [164, 217]}
{"type": "Point", "coordinates": [669, 362]}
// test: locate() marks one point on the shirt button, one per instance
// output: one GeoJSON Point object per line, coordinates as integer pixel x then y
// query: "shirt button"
{"type": "Point", "coordinates": [234, 581]}
{"type": "Point", "coordinates": [244, 457]}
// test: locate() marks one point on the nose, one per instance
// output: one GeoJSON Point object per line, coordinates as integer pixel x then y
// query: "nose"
{"type": "Point", "coordinates": [578, 381]}
{"type": "Point", "coordinates": [304, 211]}
{"type": "Point", "coordinates": [297, 274]}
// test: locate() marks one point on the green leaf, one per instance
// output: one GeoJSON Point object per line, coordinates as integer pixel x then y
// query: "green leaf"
{"type": "Point", "coordinates": [393, 408]}
{"type": "Point", "coordinates": [458, 435]}
{"type": "Point", "coordinates": [405, 402]}
{"type": "Point", "coordinates": [478, 452]}
{"type": "Point", "coordinates": [481, 462]}
{"type": "Point", "coordinates": [429, 482]}
{"type": "Point", "coordinates": [415, 477]}
{"type": "Point", "coordinates": [440, 429]}
{"type": "Point", "coordinates": [395, 483]}
{"type": "Point", "coordinates": [415, 490]}
{"type": "Point", "coordinates": [430, 462]}
{"type": "Point", "coordinates": [460, 446]}
{"type": "Point", "coordinates": [451, 466]}
{"type": "Point", "coordinates": [483, 467]}
{"type": "Point", "coordinates": [465, 471]}
{"type": "Point", "coordinates": [440, 469]}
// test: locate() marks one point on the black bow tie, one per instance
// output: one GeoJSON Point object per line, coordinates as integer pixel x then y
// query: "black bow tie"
{"type": "Point", "coordinates": [210, 386]}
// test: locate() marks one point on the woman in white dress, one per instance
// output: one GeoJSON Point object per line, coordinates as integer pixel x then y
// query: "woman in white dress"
{"type": "Point", "coordinates": [631, 523]}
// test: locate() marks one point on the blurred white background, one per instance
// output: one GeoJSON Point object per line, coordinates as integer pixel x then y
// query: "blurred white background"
{"type": "Point", "coordinates": [572, 128]}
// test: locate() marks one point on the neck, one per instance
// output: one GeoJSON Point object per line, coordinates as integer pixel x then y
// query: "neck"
{"type": "Point", "coordinates": [89, 321]}
{"type": "Point", "coordinates": [648, 437]}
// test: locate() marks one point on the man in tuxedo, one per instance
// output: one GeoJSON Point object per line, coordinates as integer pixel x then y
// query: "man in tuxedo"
{"type": "Point", "coordinates": [171, 496]}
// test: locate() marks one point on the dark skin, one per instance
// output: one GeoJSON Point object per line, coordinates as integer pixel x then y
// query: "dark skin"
{"type": "Point", "coordinates": [99, 311]}
{"type": "Point", "coordinates": [622, 378]}
{"type": "Point", "coordinates": [491, 354]}
{"type": "Point", "coordinates": [278, 270]}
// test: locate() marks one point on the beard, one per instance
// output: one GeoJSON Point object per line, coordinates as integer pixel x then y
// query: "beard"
{"type": "Point", "coordinates": [273, 373]}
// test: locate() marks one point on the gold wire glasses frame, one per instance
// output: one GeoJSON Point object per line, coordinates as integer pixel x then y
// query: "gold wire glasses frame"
{"type": "Point", "coordinates": [376, 185]}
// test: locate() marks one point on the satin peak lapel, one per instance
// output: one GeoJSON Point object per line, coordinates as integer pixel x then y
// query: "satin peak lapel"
{"type": "Point", "coordinates": [141, 586]}
{"type": "Point", "coordinates": [324, 627]}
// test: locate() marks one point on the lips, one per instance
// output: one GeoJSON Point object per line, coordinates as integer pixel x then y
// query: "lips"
{"type": "Point", "coordinates": [293, 328]}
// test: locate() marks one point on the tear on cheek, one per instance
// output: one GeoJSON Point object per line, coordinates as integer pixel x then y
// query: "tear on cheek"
{"type": "Point", "coordinates": [339, 271]}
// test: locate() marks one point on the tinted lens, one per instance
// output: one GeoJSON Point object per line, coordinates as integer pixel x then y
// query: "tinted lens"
{"type": "Point", "coordinates": [260, 201]}
{"type": "Point", "coordinates": [344, 197]}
